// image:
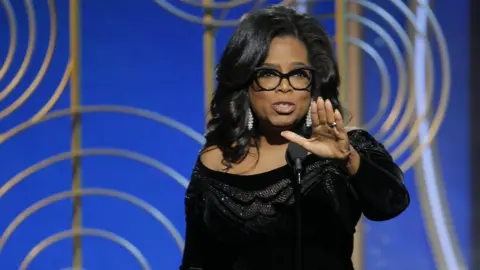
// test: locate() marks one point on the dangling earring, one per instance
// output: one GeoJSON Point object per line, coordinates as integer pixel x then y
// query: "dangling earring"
{"type": "Point", "coordinates": [308, 119]}
{"type": "Point", "coordinates": [249, 119]}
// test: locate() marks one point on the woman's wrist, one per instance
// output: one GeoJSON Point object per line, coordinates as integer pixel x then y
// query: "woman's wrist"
{"type": "Point", "coordinates": [352, 162]}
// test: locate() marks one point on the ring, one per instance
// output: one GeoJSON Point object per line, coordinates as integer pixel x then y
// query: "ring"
{"type": "Point", "coordinates": [332, 125]}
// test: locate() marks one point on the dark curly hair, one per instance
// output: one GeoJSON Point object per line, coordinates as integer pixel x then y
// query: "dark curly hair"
{"type": "Point", "coordinates": [247, 49]}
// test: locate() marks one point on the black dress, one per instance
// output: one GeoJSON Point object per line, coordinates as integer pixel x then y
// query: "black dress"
{"type": "Point", "coordinates": [239, 222]}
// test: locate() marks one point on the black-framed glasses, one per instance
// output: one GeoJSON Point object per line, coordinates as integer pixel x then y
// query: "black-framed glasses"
{"type": "Point", "coordinates": [269, 78]}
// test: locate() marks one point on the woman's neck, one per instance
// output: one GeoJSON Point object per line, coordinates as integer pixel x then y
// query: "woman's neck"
{"type": "Point", "coordinates": [270, 136]}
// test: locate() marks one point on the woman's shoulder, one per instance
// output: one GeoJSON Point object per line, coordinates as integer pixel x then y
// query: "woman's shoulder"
{"type": "Point", "coordinates": [211, 168]}
{"type": "Point", "coordinates": [211, 157]}
{"type": "Point", "coordinates": [210, 165]}
{"type": "Point", "coordinates": [207, 164]}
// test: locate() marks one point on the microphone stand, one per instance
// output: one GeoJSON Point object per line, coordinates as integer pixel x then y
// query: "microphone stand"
{"type": "Point", "coordinates": [298, 213]}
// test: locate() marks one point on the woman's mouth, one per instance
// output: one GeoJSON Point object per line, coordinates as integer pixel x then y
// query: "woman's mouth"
{"type": "Point", "coordinates": [283, 107]}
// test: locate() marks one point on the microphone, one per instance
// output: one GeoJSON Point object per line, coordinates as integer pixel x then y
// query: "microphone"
{"type": "Point", "coordinates": [295, 156]}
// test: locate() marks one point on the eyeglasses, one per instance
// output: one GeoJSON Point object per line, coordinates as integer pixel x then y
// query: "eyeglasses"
{"type": "Point", "coordinates": [269, 79]}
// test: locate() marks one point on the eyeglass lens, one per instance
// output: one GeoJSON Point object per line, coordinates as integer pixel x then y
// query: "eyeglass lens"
{"type": "Point", "coordinates": [270, 79]}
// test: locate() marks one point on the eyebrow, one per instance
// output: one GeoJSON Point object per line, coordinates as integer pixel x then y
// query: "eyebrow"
{"type": "Point", "coordinates": [301, 64]}
{"type": "Point", "coordinates": [270, 65]}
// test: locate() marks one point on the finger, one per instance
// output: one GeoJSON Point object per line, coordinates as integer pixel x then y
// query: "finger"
{"type": "Point", "coordinates": [340, 125]}
{"type": "Point", "coordinates": [314, 114]}
{"type": "Point", "coordinates": [330, 114]}
{"type": "Point", "coordinates": [322, 116]}
{"type": "Point", "coordinates": [293, 137]}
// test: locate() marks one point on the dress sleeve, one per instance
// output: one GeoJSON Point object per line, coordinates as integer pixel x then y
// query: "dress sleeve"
{"type": "Point", "coordinates": [195, 235]}
{"type": "Point", "coordinates": [379, 181]}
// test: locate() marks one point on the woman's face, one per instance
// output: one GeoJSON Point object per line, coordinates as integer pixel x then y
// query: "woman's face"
{"type": "Point", "coordinates": [282, 105]}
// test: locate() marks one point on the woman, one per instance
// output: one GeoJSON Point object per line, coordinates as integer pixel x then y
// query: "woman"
{"type": "Point", "coordinates": [277, 83]}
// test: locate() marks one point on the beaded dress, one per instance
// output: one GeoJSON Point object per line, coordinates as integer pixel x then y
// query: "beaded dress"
{"type": "Point", "coordinates": [247, 222]}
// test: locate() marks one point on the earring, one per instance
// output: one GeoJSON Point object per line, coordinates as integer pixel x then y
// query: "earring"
{"type": "Point", "coordinates": [249, 119]}
{"type": "Point", "coordinates": [308, 119]}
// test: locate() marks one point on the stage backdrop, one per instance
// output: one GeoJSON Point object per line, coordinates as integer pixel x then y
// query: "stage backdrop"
{"type": "Point", "coordinates": [142, 88]}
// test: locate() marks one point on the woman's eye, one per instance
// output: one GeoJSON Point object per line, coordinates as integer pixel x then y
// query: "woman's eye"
{"type": "Point", "coordinates": [265, 73]}
{"type": "Point", "coordinates": [301, 73]}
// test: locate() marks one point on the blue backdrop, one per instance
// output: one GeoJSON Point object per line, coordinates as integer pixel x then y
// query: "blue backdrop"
{"type": "Point", "coordinates": [137, 54]}
{"type": "Point", "coordinates": [403, 242]}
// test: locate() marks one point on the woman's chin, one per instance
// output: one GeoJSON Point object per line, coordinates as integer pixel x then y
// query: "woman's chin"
{"type": "Point", "coordinates": [283, 125]}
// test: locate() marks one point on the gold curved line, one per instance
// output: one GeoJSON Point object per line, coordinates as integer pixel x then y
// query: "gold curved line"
{"type": "Point", "coordinates": [422, 191]}
{"type": "Point", "coordinates": [426, 213]}
{"type": "Point", "coordinates": [437, 119]}
{"type": "Point", "coordinates": [57, 94]}
{"type": "Point", "coordinates": [28, 55]}
{"type": "Point", "coordinates": [43, 68]}
{"type": "Point", "coordinates": [385, 84]}
{"type": "Point", "coordinates": [81, 109]}
{"type": "Point", "coordinates": [402, 125]}
{"type": "Point", "coordinates": [33, 253]}
{"type": "Point", "coordinates": [12, 22]}
{"type": "Point", "coordinates": [399, 100]}
{"type": "Point", "coordinates": [409, 115]}
{"type": "Point", "coordinates": [256, 5]}
{"type": "Point", "coordinates": [441, 110]}
{"type": "Point", "coordinates": [399, 63]}
{"type": "Point", "coordinates": [216, 5]}
{"type": "Point", "coordinates": [395, 112]}
{"type": "Point", "coordinates": [419, 178]}
{"type": "Point", "coordinates": [19, 177]}
{"type": "Point", "coordinates": [405, 144]}
{"type": "Point", "coordinates": [398, 105]}
{"type": "Point", "coordinates": [136, 201]}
